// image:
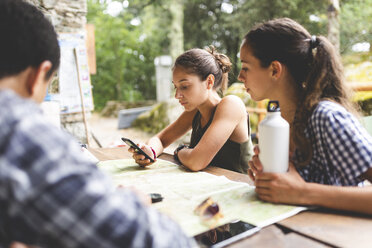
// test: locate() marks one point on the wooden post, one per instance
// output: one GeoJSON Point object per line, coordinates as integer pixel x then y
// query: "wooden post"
{"type": "Point", "coordinates": [81, 97]}
{"type": "Point", "coordinates": [91, 49]}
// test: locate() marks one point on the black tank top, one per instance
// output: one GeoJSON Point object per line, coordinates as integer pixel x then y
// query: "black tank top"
{"type": "Point", "coordinates": [232, 155]}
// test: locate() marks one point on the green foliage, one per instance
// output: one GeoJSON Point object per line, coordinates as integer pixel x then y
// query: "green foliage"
{"type": "Point", "coordinates": [125, 54]}
{"type": "Point", "coordinates": [206, 23]}
{"type": "Point", "coordinates": [366, 106]}
{"type": "Point", "coordinates": [355, 23]}
{"type": "Point", "coordinates": [361, 72]}
{"type": "Point", "coordinates": [356, 58]}
{"type": "Point", "coordinates": [355, 27]}
{"type": "Point", "coordinates": [153, 121]}
{"type": "Point", "coordinates": [238, 89]}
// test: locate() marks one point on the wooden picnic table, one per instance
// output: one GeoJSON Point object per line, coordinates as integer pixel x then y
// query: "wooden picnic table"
{"type": "Point", "coordinates": [313, 228]}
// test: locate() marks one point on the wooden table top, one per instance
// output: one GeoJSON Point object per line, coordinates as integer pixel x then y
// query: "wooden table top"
{"type": "Point", "coordinates": [313, 228]}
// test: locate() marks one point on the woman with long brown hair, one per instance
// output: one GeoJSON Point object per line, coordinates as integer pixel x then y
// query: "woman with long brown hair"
{"type": "Point", "coordinates": [328, 146]}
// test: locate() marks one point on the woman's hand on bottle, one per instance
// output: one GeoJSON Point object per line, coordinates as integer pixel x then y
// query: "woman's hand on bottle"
{"type": "Point", "coordinates": [286, 188]}
{"type": "Point", "coordinates": [276, 187]}
{"type": "Point", "coordinates": [141, 159]}
{"type": "Point", "coordinates": [255, 166]}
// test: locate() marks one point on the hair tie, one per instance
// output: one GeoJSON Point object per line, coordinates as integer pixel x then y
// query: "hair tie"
{"type": "Point", "coordinates": [313, 42]}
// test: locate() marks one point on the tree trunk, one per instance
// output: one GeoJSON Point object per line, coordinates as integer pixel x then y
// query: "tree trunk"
{"type": "Point", "coordinates": [176, 29]}
{"type": "Point", "coordinates": [333, 23]}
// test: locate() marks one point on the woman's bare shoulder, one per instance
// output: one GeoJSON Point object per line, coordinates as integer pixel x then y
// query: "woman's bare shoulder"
{"type": "Point", "coordinates": [231, 102]}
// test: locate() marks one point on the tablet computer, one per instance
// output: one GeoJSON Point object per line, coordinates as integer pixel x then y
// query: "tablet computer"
{"type": "Point", "coordinates": [225, 234]}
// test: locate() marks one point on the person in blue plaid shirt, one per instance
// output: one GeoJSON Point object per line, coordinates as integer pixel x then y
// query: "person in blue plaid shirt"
{"type": "Point", "coordinates": [331, 153]}
{"type": "Point", "coordinates": [50, 195]}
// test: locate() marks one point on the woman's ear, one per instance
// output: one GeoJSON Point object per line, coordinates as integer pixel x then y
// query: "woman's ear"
{"type": "Point", "coordinates": [210, 81]}
{"type": "Point", "coordinates": [276, 69]}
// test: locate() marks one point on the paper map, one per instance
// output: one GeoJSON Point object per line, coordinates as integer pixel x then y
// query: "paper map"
{"type": "Point", "coordinates": [183, 191]}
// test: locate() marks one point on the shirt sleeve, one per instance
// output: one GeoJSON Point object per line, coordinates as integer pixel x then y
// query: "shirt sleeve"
{"type": "Point", "coordinates": [348, 146]}
{"type": "Point", "coordinates": [56, 198]}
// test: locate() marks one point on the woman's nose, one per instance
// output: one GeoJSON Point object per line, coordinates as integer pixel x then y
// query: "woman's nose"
{"type": "Point", "coordinates": [177, 95]}
{"type": "Point", "coordinates": [240, 77]}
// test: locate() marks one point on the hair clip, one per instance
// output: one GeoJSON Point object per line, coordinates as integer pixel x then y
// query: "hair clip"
{"type": "Point", "coordinates": [313, 42]}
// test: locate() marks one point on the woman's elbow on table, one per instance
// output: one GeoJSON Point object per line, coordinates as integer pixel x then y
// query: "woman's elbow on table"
{"type": "Point", "coordinates": [195, 163]}
{"type": "Point", "coordinates": [195, 166]}
{"type": "Point", "coordinates": [193, 159]}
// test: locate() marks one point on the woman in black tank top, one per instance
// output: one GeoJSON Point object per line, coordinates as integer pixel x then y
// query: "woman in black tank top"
{"type": "Point", "coordinates": [220, 126]}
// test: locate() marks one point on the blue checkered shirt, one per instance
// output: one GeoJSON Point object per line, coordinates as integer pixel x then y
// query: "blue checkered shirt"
{"type": "Point", "coordinates": [51, 196]}
{"type": "Point", "coordinates": [342, 148]}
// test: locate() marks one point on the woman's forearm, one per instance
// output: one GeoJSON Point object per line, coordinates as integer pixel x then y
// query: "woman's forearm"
{"type": "Point", "coordinates": [356, 199]}
{"type": "Point", "coordinates": [191, 160]}
{"type": "Point", "coordinates": [156, 144]}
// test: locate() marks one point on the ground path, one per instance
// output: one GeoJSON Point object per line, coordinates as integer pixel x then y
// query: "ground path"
{"type": "Point", "coordinates": [105, 129]}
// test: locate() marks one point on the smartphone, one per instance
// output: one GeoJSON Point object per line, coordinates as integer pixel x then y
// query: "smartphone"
{"type": "Point", "coordinates": [137, 149]}
{"type": "Point", "coordinates": [226, 234]}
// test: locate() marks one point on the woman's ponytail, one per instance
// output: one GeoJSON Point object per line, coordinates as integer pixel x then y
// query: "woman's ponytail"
{"type": "Point", "coordinates": [325, 79]}
{"type": "Point", "coordinates": [224, 65]}
{"type": "Point", "coordinates": [204, 62]}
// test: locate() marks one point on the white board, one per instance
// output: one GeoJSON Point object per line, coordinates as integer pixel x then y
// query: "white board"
{"type": "Point", "coordinates": [69, 95]}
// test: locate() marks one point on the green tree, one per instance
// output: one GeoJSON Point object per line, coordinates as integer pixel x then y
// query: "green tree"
{"type": "Point", "coordinates": [125, 53]}
{"type": "Point", "coordinates": [334, 23]}
{"type": "Point", "coordinates": [207, 22]}
{"type": "Point", "coordinates": [355, 23]}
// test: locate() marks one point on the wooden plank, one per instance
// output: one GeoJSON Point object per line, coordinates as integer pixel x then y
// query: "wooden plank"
{"type": "Point", "coordinates": [272, 236]}
{"type": "Point", "coordinates": [256, 110]}
{"type": "Point", "coordinates": [360, 86]}
{"type": "Point", "coordinates": [330, 226]}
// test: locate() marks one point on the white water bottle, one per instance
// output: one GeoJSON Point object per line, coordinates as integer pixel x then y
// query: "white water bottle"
{"type": "Point", "coordinates": [273, 140]}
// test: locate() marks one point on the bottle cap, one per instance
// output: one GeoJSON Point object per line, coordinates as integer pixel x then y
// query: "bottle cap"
{"type": "Point", "coordinates": [273, 106]}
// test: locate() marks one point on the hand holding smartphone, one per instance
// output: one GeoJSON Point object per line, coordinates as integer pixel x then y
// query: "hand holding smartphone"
{"type": "Point", "coordinates": [137, 149]}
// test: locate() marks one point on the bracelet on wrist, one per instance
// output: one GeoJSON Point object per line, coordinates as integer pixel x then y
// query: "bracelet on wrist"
{"type": "Point", "coordinates": [153, 152]}
{"type": "Point", "coordinates": [179, 148]}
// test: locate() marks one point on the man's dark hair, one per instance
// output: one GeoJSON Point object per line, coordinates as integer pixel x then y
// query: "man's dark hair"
{"type": "Point", "coordinates": [27, 38]}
